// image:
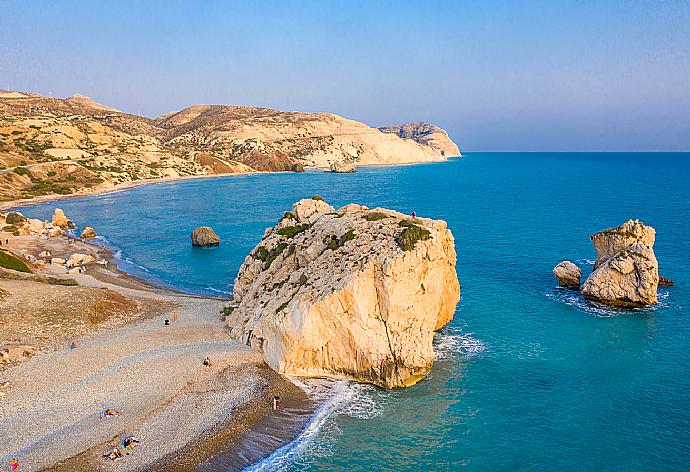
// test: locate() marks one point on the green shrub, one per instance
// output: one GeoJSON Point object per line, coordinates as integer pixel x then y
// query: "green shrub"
{"type": "Point", "coordinates": [11, 229]}
{"type": "Point", "coordinates": [14, 218]}
{"type": "Point", "coordinates": [316, 197]}
{"type": "Point", "coordinates": [61, 281]}
{"type": "Point", "coordinates": [8, 261]}
{"type": "Point", "coordinates": [21, 171]}
{"type": "Point", "coordinates": [375, 216]}
{"type": "Point", "coordinates": [281, 307]}
{"type": "Point", "coordinates": [334, 242]}
{"type": "Point", "coordinates": [412, 233]}
{"type": "Point", "coordinates": [288, 215]}
{"type": "Point", "coordinates": [303, 279]}
{"type": "Point", "coordinates": [267, 257]}
{"type": "Point", "coordinates": [228, 310]}
{"type": "Point", "coordinates": [292, 231]}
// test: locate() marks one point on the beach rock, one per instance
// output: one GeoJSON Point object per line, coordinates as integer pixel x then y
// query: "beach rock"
{"type": "Point", "coordinates": [308, 210]}
{"type": "Point", "coordinates": [78, 259]}
{"type": "Point", "coordinates": [666, 282]}
{"type": "Point", "coordinates": [205, 236]}
{"type": "Point", "coordinates": [628, 279]}
{"type": "Point", "coordinates": [44, 254]}
{"type": "Point", "coordinates": [88, 233]}
{"type": "Point", "coordinates": [56, 231]}
{"type": "Point", "coordinates": [342, 167]}
{"type": "Point", "coordinates": [337, 296]}
{"type": "Point", "coordinates": [12, 355]}
{"type": "Point", "coordinates": [59, 219]}
{"type": "Point", "coordinates": [568, 275]}
{"type": "Point", "coordinates": [57, 261]}
{"type": "Point", "coordinates": [610, 242]}
{"type": "Point", "coordinates": [76, 270]}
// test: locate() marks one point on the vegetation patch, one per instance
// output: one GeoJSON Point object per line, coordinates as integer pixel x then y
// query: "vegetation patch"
{"type": "Point", "coordinates": [61, 281]}
{"type": "Point", "coordinates": [8, 261]}
{"type": "Point", "coordinates": [21, 171]}
{"type": "Point", "coordinates": [316, 197]}
{"type": "Point", "coordinates": [227, 310]}
{"type": "Point", "coordinates": [267, 257]}
{"type": "Point", "coordinates": [412, 233]}
{"type": "Point", "coordinates": [14, 219]}
{"type": "Point", "coordinates": [282, 307]}
{"type": "Point", "coordinates": [375, 216]}
{"type": "Point", "coordinates": [303, 279]}
{"type": "Point", "coordinates": [334, 242]}
{"type": "Point", "coordinates": [292, 231]}
{"type": "Point", "coordinates": [288, 215]}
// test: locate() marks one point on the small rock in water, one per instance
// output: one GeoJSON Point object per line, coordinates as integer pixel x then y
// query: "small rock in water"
{"type": "Point", "coordinates": [88, 233]}
{"type": "Point", "coordinates": [205, 236]}
{"type": "Point", "coordinates": [568, 275]}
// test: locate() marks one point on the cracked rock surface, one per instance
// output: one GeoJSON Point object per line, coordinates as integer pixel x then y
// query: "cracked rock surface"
{"type": "Point", "coordinates": [333, 293]}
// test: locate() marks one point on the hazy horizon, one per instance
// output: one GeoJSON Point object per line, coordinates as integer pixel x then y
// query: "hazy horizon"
{"type": "Point", "coordinates": [538, 76]}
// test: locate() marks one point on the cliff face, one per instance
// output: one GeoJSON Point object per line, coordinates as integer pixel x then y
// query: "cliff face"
{"type": "Point", "coordinates": [426, 134]}
{"type": "Point", "coordinates": [76, 144]}
{"type": "Point", "coordinates": [353, 294]}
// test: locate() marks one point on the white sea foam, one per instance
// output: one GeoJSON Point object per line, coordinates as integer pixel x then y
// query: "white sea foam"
{"type": "Point", "coordinates": [576, 299]}
{"type": "Point", "coordinates": [454, 342]}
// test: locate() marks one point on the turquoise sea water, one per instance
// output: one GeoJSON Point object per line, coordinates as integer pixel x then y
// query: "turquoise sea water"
{"type": "Point", "coordinates": [529, 376]}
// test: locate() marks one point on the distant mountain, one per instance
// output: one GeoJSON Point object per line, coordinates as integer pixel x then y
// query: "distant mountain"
{"type": "Point", "coordinates": [77, 145]}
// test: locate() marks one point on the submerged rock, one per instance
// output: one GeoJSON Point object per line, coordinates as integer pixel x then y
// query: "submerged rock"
{"type": "Point", "coordinates": [328, 294]}
{"type": "Point", "coordinates": [666, 282]}
{"type": "Point", "coordinates": [568, 275]}
{"type": "Point", "coordinates": [626, 273]}
{"type": "Point", "coordinates": [205, 236]}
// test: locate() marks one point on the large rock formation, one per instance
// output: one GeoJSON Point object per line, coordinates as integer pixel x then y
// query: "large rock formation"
{"type": "Point", "coordinates": [88, 233]}
{"type": "Point", "coordinates": [342, 167]}
{"type": "Point", "coordinates": [334, 294]}
{"type": "Point", "coordinates": [568, 275]}
{"type": "Point", "coordinates": [427, 134]}
{"type": "Point", "coordinates": [626, 272]}
{"type": "Point", "coordinates": [205, 236]}
{"type": "Point", "coordinates": [60, 220]}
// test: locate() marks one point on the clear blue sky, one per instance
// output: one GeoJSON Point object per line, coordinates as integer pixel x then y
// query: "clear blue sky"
{"type": "Point", "coordinates": [513, 75]}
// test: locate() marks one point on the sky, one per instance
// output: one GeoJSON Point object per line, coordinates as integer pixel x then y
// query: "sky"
{"type": "Point", "coordinates": [525, 75]}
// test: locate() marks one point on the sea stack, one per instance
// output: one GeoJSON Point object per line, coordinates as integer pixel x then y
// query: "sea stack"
{"type": "Point", "coordinates": [88, 233]}
{"type": "Point", "coordinates": [626, 271]}
{"type": "Point", "coordinates": [568, 275]}
{"type": "Point", "coordinates": [342, 167]}
{"type": "Point", "coordinates": [205, 236]}
{"type": "Point", "coordinates": [61, 221]}
{"type": "Point", "coordinates": [348, 294]}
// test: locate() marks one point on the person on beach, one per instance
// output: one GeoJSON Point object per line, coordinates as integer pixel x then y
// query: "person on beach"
{"type": "Point", "coordinates": [14, 464]}
{"type": "Point", "coordinates": [207, 361]}
{"type": "Point", "coordinates": [276, 402]}
{"type": "Point", "coordinates": [72, 345]}
{"type": "Point", "coordinates": [174, 315]}
{"type": "Point", "coordinates": [167, 320]}
{"type": "Point", "coordinates": [414, 214]}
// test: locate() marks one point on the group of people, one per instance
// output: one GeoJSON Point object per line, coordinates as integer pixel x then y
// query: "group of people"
{"type": "Point", "coordinates": [166, 322]}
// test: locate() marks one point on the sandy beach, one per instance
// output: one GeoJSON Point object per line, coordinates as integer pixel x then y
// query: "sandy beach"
{"type": "Point", "coordinates": [126, 359]}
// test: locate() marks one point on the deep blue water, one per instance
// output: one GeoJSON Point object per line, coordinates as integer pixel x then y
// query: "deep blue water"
{"type": "Point", "coordinates": [530, 377]}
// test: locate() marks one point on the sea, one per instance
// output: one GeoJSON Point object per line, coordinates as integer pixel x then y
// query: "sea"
{"type": "Point", "coordinates": [528, 376]}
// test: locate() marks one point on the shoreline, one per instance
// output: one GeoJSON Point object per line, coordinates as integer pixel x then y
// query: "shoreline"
{"type": "Point", "coordinates": [14, 204]}
{"type": "Point", "coordinates": [204, 330]}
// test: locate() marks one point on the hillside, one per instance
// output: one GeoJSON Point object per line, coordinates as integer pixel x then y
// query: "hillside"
{"type": "Point", "coordinates": [75, 145]}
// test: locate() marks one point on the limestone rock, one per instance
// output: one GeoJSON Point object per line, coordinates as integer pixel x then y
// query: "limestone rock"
{"type": "Point", "coordinates": [426, 134]}
{"type": "Point", "coordinates": [568, 275]}
{"type": "Point", "coordinates": [57, 261]}
{"type": "Point", "coordinates": [610, 242]}
{"type": "Point", "coordinates": [44, 254]}
{"type": "Point", "coordinates": [78, 259]}
{"type": "Point", "coordinates": [12, 355]}
{"type": "Point", "coordinates": [334, 295]}
{"type": "Point", "coordinates": [55, 232]}
{"type": "Point", "coordinates": [628, 279]}
{"type": "Point", "coordinates": [88, 233]}
{"type": "Point", "coordinates": [342, 167]}
{"type": "Point", "coordinates": [666, 282]}
{"type": "Point", "coordinates": [60, 220]}
{"type": "Point", "coordinates": [205, 236]}
{"type": "Point", "coordinates": [76, 270]}
{"type": "Point", "coordinates": [309, 210]}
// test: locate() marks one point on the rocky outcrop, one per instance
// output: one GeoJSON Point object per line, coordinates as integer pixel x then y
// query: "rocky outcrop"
{"type": "Point", "coordinates": [666, 282]}
{"type": "Point", "coordinates": [426, 134]}
{"type": "Point", "coordinates": [61, 221]}
{"type": "Point", "coordinates": [88, 233]}
{"type": "Point", "coordinates": [568, 275]}
{"type": "Point", "coordinates": [335, 294]}
{"type": "Point", "coordinates": [342, 168]}
{"type": "Point", "coordinates": [205, 236]}
{"type": "Point", "coordinates": [610, 242]}
{"type": "Point", "coordinates": [626, 272]}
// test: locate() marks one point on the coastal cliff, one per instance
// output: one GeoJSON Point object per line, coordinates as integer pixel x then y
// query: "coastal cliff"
{"type": "Point", "coordinates": [51, 146]}
{"type": "Point", "coordinates": [354, 294]}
